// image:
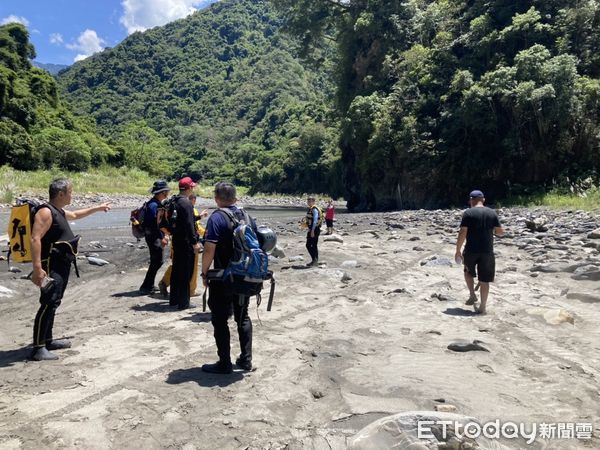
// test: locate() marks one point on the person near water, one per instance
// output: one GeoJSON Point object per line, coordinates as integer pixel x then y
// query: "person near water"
{"type": "Point", "coordinates": [156, 239]}
{"type": "Point", "coordinates": [313, 221]}
{"type": "Point", "coordinates": [218, 251]}
{"type": "Point", "coordinates": [186, 244]}
{"type": "Point", "coordinates": [53, 250]}
{"type": "Point", "coordinates": [165, 282]}
{"type": "Point", "coordinates": [477, 227]}
{"type": "Point", "coordinates": [329, 216]}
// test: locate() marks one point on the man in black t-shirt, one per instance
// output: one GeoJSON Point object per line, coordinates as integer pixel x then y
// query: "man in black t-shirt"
{"type": "Point", "coordinates": [477, 227]}
{"type": "Point", "coordinates": [185, 245]}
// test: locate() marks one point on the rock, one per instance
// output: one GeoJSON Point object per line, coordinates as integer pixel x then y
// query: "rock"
{"type": "Point", "coordinates": [97, 261]}
{"type": "Point", "coordinates": [333, 238]}
{"type": "Point", "coordinates": [366, 246]}
{"type": "Point", "coordinates": [418, 249]}
{"type": "Point", "coordinates": [445, 408]}
{"type": "Point", "coordinates": [443, 297]}
{"type": "Point", "coordinates": [401, 431]}
{"type": "Point", "coordinates": [582, 297]}
{"type": "Point", "coordinates": [296, 258]}
{"type": "Point", "coordinates": [2, 258]}
{"type": "Point", "coordinates": [436, 261]}
{"type": "Point", "coordinates": [6, 292]}
{"type": "Point", "coordinates": [462, 345]}
{"type": "Point", "coordinates": [14, 269]}
{"type": "Point", "coordinates": [553, 316]}
{"type": "Point", "coordinates": [415, 238]}
{"type": "Point", "coordinates": [317, 393]}
{"type": "Point", "coordinates": [346, 277]}
{"type": "Point", "coordinates": [594, 234]}
{"type": "Point", "coordinates": [91, 255]}
{"type": "Point", "coordinates": [587, 274]}
{"type": "Point", "coordinates": [350, 263]}
{"type": "Point", "coordinates": [278, 252]}
{"type": "Point", "coordinates": [538, 224]}
{"type": "Point", "coordinates": [129, 244]}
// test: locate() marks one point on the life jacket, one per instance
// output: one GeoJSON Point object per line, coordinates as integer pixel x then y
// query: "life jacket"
{"type": "Point", "coordinates": [309, 216]}
{"type": "Point", "coordinates": [19, 229]}
{"type": "Point", "coordinates": [59, 244]}
{"type": "Point", "coordinates": [199, 228]}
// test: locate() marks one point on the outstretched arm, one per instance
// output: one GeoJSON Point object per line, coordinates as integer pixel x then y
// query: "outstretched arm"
{"type": "Point", "coordinates": [81, 213]}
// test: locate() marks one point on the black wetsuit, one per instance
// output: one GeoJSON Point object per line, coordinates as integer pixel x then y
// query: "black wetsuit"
{"type": "Point", "coordinates": [59, 246]}
{"type": "Point", "coordinates": [185, 236]}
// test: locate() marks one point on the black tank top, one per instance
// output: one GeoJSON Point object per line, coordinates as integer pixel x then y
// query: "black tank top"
{"type": "Point", "coordinates": [60, 230]}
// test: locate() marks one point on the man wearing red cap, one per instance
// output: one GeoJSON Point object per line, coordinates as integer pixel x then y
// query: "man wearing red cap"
{"type": "Point", "coordinates": [185, 245]}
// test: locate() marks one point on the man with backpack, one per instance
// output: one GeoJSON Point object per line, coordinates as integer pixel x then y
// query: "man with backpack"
{"type": "Point", "coordinates": [53, 250]}
{"type": "Point", "coordinates": [313, 221]}
{"type": "Point", "coordinates": [186, 243]}
{"type": "Point", "coordinates": [218, 248]}
{"type": "Point", "coordinates": [155, 238]}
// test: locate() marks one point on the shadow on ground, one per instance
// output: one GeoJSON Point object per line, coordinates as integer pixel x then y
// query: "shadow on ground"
{"type": "Point", "coordinates": [195, 374]}
{"type": "Point", "coordinates": [461, 312]}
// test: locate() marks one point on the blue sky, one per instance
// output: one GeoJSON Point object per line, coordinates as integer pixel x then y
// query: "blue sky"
{"type": "Point", "coordinates": [64, 31]}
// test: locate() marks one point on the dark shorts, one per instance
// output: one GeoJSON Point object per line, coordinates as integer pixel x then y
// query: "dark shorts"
{"type": "Point", "coordinates": [329, 223]}
{"type": "Point", "coordinates": [480, 265]}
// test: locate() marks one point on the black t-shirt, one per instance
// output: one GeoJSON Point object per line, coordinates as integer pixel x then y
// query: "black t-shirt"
{"type": "Point", "coordinates": [480, 222]}
{"type": "Point", "coordinates": [185, 227]}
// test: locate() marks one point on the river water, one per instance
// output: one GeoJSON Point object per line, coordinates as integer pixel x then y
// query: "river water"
{"type": "Point", "coordinates": [119, 217]}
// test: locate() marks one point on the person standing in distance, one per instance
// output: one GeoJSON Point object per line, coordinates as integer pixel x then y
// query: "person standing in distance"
{"type": "Point", "coordinates": [186, 243]}
{"type": "Point", "coordinates": [53, 250]}
{"type": "Point", "coordinates": [477, 227]}
{"type": "Point", "coordinates": [313, 220]}
{"type": "Point", "coordinates": [218, 248]}
{"type": "Point", "coordinates": [329, 216]}
{"type": "Point", "coordinates": [155, 238]}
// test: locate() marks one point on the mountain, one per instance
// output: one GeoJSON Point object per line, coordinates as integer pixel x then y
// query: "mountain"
{"type": "Point", "coordinates": [37, 130]}
{"type": "Point", "coordinates": [52, 68]}
{"type": "Point", "coordinates": [227, 90]}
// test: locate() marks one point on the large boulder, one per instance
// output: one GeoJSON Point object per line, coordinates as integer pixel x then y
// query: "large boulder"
{"type": "Point", "coordinates": [401, 431]}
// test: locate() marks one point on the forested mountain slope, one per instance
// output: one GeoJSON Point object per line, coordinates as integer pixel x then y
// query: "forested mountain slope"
{"type": "Point", "coordinates": [226, 90]}
{"type": "Point", "coordinates": [37, 130]}
{"type": "Point", "coordinates": [437, 97]}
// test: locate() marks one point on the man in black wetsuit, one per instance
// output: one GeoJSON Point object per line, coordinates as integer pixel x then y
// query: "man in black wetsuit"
{"type": "Point", "coordinates": [53, 250]}
{"type": "Point", "coordinates": [478, 226]}
{"type": "Point", "coordinates": [186, 243]}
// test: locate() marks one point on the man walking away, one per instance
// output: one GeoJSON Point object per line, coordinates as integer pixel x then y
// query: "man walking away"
{"type": "Point", "coordinates": [218, 247]}
{"type": "Point", "coordinates": [477, 227]}
{"type": "Point", "coordinates": [314, 218]}
{"type": "Point", "coordinates": [185, 245]}
{"type": "Point", "coordinates": [53, 250]}
{"type": "Point", "coordinates": [155, 238]}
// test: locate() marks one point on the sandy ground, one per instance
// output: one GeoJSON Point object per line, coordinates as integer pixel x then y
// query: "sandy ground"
{"type": "Point", "coordinates": [332, 355]}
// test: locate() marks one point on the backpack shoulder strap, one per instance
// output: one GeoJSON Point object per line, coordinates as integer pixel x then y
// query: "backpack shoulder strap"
{"type": "Point", "coordinates": [233, 221]}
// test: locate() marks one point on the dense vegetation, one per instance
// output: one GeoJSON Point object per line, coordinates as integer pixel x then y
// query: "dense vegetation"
{"type": "Point", "coordinates": [439, 96]}
{"type": "Point", "coordinates": [36, 129]}
{"type": "Point", "coordinates": [224, 88]}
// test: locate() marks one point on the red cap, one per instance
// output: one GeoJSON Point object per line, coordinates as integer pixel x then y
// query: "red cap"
{"type": "Point", "coordinates": [186, 183]}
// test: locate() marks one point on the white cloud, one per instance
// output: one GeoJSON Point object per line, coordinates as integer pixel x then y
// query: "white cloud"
{"type": "Point", "coordinates": [56, 38]}
{"type": "Point", "coordinates": [87, 44]}
{"type": "Point", "coordinates": [12, 18]}
{"type": "Point", "coordinates": [139, 15]}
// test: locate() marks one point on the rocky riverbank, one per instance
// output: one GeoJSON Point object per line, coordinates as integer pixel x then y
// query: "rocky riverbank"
{"type": "Point", "coordinates": [379, 328]}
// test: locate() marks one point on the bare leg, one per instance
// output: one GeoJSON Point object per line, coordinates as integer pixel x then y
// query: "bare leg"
{"type": "Point", "coordinates": [485, 289]}
{"type": "Point", "coordinates": [471, 285]}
